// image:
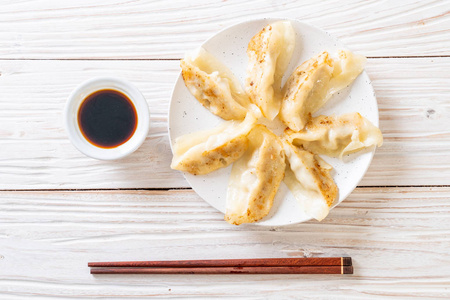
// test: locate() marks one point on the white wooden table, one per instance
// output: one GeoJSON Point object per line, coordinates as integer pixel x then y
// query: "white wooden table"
{"type": "Point", "coordinates": [60, 209]}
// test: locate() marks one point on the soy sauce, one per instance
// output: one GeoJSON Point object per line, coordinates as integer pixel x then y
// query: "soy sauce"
{"type": "Point", "coordinates": [107, 118]}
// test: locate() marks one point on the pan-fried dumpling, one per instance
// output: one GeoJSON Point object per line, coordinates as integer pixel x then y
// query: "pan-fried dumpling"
{"type": "Point", "coordinates": [255, 178]}
{"type": "Point", "coordinates": [345, 70]}
{"type": "Point", "coordinates": [308, 178]}
{"type": "Point", "coordinates": [206, 151]}
{"type": "Point", "coordinates": [336, 135]}
{"type": "Point", "coordinates": [214, 85]}
{"type": "Point", "coordinates": [269, 53]}
{"type": "Point", "coordinates": [305, 90]}
{"type": "Point", "coordinates": [313, 83]}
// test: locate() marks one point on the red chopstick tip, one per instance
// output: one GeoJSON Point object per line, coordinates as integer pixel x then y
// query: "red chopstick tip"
{"type": "Point", "coordinates": [347, 270]}
{"type": "Point", "coordinates": [346, 261]}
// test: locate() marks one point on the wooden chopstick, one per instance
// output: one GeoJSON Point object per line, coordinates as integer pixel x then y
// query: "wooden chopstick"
{"type": "Point", "coordinates": [228, 270]}
{"type": "Point", "coordinates": [308, 265]}
{"type": "Point", "coordinates": [258, 262]}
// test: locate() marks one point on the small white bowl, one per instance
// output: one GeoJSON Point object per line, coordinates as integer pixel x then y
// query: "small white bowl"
{"type": "Point", "coordinates": [102, 83]}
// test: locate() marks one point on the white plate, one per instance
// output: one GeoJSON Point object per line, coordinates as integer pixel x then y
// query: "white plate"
{"type": "Point", "coordinates": [187, 115]}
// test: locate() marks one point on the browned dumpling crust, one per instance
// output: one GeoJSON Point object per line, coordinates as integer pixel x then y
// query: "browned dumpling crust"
{"type": "Point", "coordinates": [308, 178]}
{"type": "Point", "coordinates": [214, 85]}
{"type": "Point", "coordinates": [305, 90]}
{"type": "Point", "coordinates": [269, 53]}
{"type": "Point", "coordinates": [314, 82]}
{"type": "Point", "coordinates": [206, 151]}
{"type": "Point", "coordinates": [255, 178]}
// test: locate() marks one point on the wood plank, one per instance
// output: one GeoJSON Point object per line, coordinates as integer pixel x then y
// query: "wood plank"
{"type": "Point", "coordinates": [36, 154]}
{"type": "Point", "coordinates": [397, 237]}
{"type": "Point", "coordinates": [166, 29]}
{"type": "Point", "coordinates": [414, 109]}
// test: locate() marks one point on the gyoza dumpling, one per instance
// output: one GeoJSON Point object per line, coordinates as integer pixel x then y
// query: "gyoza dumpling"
{"type": "Point", "coordinates": [206, 151]}
{"type": "Point", "coordinates": [336, 135]}
{"type": "Point", "coordinates": [345, 70]}
{"type": "Point", "coordinates": [255, 178]}
{"type": "Point", "coordinates": [214, 85]}
{"type": "Point", "coordinates": [305, 90]}
{"type": "Point", "coordinates": [313, 83]}
{"type": "Point", "coordinates": [269, 53]}
{"type": "Point", "coordinates": [308, 178]}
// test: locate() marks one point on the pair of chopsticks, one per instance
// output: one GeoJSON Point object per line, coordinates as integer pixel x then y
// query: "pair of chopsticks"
{"type": "Point", "coordinates": [308, 265]}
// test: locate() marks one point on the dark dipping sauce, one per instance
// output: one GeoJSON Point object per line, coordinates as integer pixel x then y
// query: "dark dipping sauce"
{"type": "Point", "coordinates": [107, 118]}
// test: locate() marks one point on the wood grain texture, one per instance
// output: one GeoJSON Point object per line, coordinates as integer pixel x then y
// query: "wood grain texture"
{"type": "Point", "coordinates": [35, 152]}
{"type": "Point", "coordinates": [165, 29]}
{"type": "Point", "coordinates": [397, 237]}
